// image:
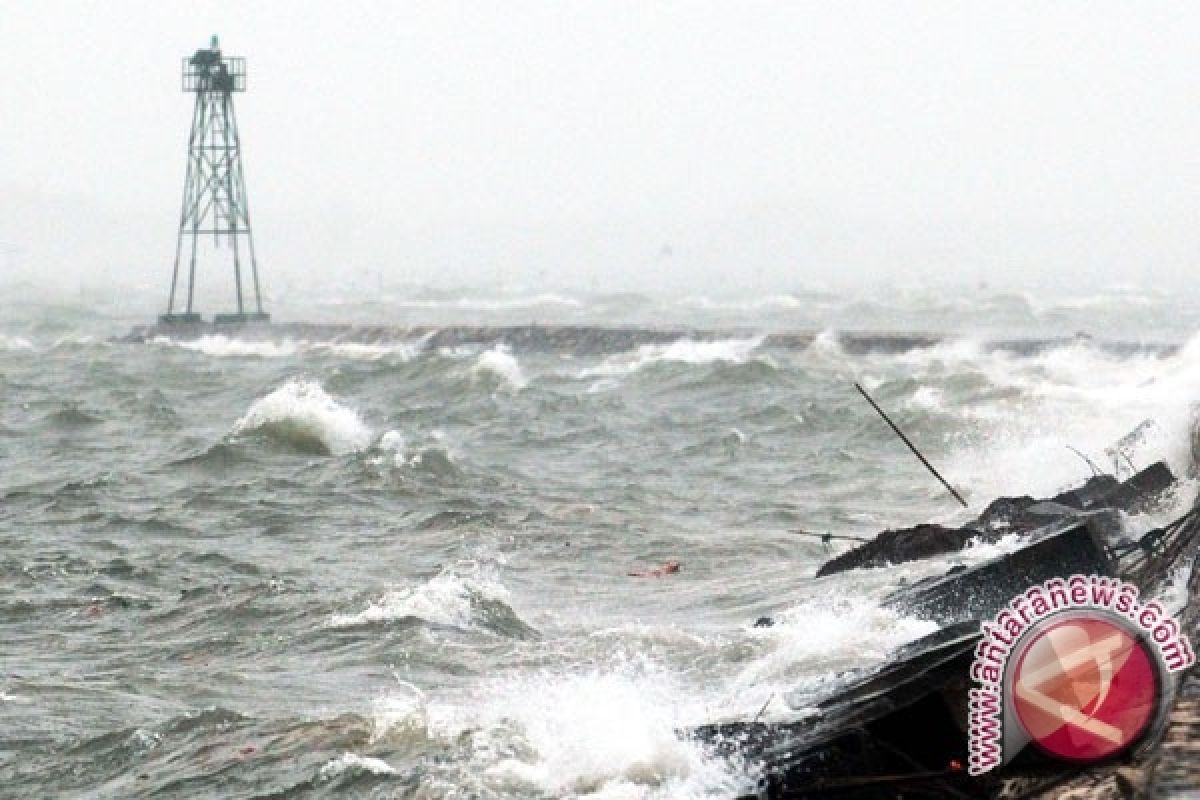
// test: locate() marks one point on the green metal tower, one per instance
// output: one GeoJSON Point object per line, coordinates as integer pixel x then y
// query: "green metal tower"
{"type": "Point", "coordinates": [214, 191]}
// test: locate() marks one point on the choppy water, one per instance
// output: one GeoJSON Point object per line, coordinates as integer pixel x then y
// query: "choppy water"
{"type": "Point", "coordinates": [301, 569]}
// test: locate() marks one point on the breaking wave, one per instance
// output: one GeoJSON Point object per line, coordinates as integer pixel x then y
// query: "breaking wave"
{"type": "Point", "coordinates": [604, 732]}
{"type": "Point", "coordinates": [302, 416]}
{"type": "Point", "coordinates": [500, 363]}
{"type": "Point", "coordinates": [464, 595]}
{"type": "Point", "coordinates": [354, 763]}
{"type": "Point", "coordinates": [435, 459]}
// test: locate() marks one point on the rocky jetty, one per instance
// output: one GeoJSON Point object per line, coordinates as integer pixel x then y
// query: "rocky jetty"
{"type": "Point", "coordinates": [596, 339]}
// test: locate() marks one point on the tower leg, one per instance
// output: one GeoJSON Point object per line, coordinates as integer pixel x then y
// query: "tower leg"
{"type": "Point", "coordinates": [230, 153]}
{"type": "Point", "coordinates": [187, 211]}
{"type": "Point", "coordinates": [192, 273]}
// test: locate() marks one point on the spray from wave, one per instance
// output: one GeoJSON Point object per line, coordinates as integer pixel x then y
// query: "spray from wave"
{"type": "Point", "coordinates": [1030, 423]}
{"type": "Point", "coordinates": [605, 732]}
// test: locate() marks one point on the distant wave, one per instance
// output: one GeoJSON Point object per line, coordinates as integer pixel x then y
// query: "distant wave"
{"type": "Point", "coordinates": [301, 415]}
{"type": "Point", "coordinates": [683, 351]}
{"type": "Point", "coordinates": [15, 343]}
{"type": "Point", "coordinates": [221, 346]}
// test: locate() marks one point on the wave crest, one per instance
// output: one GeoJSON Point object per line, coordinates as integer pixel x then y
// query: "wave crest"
{"type": "Point", "coordinates": [301, 415]}
{"type": "Point", "coordinates": [462, 596]}
{"type": "Point", "coordinates": [500, 363]}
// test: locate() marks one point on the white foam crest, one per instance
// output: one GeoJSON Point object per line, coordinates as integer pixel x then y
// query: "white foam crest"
{"type": "Point", "coordinates": [221, 346]}
{"type": "Point", "coordinates": [682, 351]}
{"type": "Point", "coordinates": [405, 351]}
{"type": "Point", "coordinates": [302, 409]}
{"type": "Point", "coordinates": [392, 447]}
{"type": "Point", "coordinates": [445, 599]}
{"type": "Point", "coordinates": [928, 398]}
{"type": "Point", "coordinates": [499, 361]}
{"type": "Point", "coordinates": [978, 551]}
{"type": "Point", "coordinates": [601, 732]}
{"type": "Point", "coordinates": [354, 762]}
{"type": "Point", "coordinates": [944, 356]}
{"type": "Point", "coordinates": [826, 352]}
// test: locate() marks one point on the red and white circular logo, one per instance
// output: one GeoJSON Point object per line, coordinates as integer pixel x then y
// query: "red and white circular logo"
{"type": "Point", "coordinates": [1085, 687]}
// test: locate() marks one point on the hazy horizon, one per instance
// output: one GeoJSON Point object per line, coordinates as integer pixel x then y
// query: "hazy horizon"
{"type": "Point", "coordinates": [674, 147]}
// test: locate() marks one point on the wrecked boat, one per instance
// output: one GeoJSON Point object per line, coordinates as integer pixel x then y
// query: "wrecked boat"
{"type": "Point", "coordinates": [901, 729]}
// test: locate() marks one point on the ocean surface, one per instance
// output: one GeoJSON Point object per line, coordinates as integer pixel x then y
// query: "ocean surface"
{"type": "Point", "coordinates": [322, 568]}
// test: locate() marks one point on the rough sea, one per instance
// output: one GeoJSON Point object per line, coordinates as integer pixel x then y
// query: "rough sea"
{"type": "Point", "coordinates": [239, 569]}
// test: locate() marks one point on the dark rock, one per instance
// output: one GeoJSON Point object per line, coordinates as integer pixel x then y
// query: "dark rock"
{"type": "Point", "coordinates": [903, 544]}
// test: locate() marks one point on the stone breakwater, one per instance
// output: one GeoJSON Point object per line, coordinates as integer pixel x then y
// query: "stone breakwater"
{"type": "Point", "coordinates": [601, 340]}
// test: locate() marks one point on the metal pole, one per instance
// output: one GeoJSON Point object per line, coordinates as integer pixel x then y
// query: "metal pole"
{"type": "Point", "coordinates": [911, 446]}
{"type": "Point", "coordinates": [243, 203]}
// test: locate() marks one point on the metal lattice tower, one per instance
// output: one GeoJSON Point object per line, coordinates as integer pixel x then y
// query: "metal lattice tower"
{"type": "Point", "coordinates": [214, 191]}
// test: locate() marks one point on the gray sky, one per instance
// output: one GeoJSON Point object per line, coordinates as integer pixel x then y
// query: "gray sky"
{"type": "Point", "coordinates": [770, 145]}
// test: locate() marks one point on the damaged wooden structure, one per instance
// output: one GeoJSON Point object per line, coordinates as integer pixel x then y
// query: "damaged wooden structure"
{"type": "Point", "coordinates": [900, 729]}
